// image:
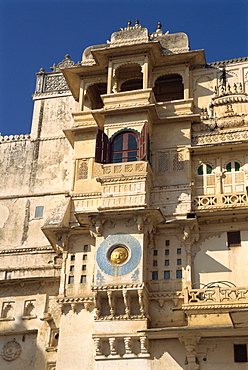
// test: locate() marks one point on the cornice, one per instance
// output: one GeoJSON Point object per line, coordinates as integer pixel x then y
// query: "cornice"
{"type": "Point", "coordinates": [27, 250]}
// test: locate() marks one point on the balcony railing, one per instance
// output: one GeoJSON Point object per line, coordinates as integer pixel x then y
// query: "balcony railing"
{"type": "Point", "coordinates": [219, 201]}
{"type": "Point", "coordinates": [222, 297]}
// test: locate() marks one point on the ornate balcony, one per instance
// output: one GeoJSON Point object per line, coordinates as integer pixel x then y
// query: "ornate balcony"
{"type": "Point", "coordinates": [218, 201]}
{"type": "Point", "coordinates": [215, 298]}
{"type": "Point", "coordinates": [125, 185]}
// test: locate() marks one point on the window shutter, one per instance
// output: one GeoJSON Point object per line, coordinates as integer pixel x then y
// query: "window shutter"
{"type": "Point", "coordinates": [143, 143]}
{"type": "Point", "coordinates": [102, 154]}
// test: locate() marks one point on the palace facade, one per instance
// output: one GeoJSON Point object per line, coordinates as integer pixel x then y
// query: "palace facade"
{"type": "Point", "coordinates": [123, 215]}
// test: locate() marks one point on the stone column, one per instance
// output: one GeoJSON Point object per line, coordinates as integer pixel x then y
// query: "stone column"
{"type": "Point", "coordinates": [126, 303]}
{"type": "Point", "coordinates": [128, 349]}
{"type": "Point", "coordinates": [63, 274]}
{"type": "Point", "coordinates": [143, 346]}
{"type": "Point", "coordinates": [97, 343]}
{"type": "Point", "coordinates": [81, 96]}
{"type": "Point", "coordinates": [186, 83]}
{"type": "Point", "coordinates": [110, 72]}
{"type": "Point", "coordinates": [112, 346]}
{"type": "Point", "coordinates": [145, 72]}
{"type": "Point", "coordinates": [141, 303]}
{"type": "Point", "coordinates": [111, 302]}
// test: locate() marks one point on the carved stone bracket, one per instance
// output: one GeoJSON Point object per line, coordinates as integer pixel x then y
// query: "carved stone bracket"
{"type": "Point", "coordinates": [190, 344]}
{"type": "Point", "coordinates": [96, 225]}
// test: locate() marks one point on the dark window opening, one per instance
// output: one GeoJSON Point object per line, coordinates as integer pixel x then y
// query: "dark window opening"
{"type": "Point", "coordinates": [72, 268]}
{"type": "Point", "coordinates": [240, 352]}
{"type": "Point", "coordinates": [179, 274]}
{"type": "Point", "coordinates": [134, 84]}
{"type": "Point", "coordinates": [179, 251]}
{"type": "Point", "coordinates": [155, 263]}
{"type": "Point", "coordinates": [154, 275]}
{"type": "Point", "coordinates": [73, 257]}
{"type": "Point", "coordinates": [167, 252]}
{"type": "Point", "coordinates": [167, 243]}
{"type": "Point", "coordinates": [86, 248]}
{"type": "Point", "coordinates": [129, 77]}
{"type": "Point", "coordinates": [233, 239]}
{"type": "Point", "coordinates": [169, 87]}
{"type": "Point", "coordinates": [166, 275]}
{"type": "Point", "coordinates": [94, 93]}
{"type": "Point", "coordinates": [71, 280]}
{"type": "Point", "coordinates": [155, 252]}
{"type": "Point", "coordinates": [83, 279]}
{"type": "Point", "coordinates": [166, 262]}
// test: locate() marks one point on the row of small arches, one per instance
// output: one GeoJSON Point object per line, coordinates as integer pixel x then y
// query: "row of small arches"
{"type": "Point", "coordinates": [166, 88]}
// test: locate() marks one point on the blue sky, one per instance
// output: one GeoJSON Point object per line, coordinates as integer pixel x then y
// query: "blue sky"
{"type": "Point", "coordinates": [38, 33]}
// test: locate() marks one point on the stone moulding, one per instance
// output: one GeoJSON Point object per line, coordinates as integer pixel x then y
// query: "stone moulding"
{"type": "Point", "coordinates": [52, 94]}
{"type": "Point", "coordinates": [27, 250]}
{"type": "Point", "coordinates": [11, 138]}
{"type": "Point", "coordinates": [216, 297]}
{"type": "Point", "coordinates": [220, 137]}
{"type": "Point", "coordinates": [220, 201]}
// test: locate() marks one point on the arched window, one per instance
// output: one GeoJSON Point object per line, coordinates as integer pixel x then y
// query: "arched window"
{"type": "Point", "coordinates": [169, 87]}
{"type": "Point", "coordinates": [205, 180]}
{"type": "Point", "coordinates": [124, 147]}
{"type": "Point", "coordinates": [233, 180]}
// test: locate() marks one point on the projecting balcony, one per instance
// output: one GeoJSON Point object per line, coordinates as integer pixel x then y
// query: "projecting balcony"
{"type": "Point", "coordinates": [174, 108]}
{"type": "Point", "coordinates": [125, 185]}
{"type": "Point", "coordinates": [127, 99]}
{"type": "Point", "coordinates": [216, 297]}
{"type": "Point", "coordinates": [219, 201]}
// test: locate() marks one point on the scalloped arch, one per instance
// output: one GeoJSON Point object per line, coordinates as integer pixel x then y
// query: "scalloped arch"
{"type": "Point", "coordinates": [124, 130]}
{"type": "Point", "coordinates": [167, 73]}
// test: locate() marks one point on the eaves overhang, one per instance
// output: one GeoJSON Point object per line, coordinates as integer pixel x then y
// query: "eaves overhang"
{"type": "Point", "coordinates": [202, 331]}
{"type": "Point", "coordinates": [155, 213]}
{"type": "Point", "coordinates": [239, 318]}
{"type": "Point", "coordinates": [219, 147]}
{"type": "Point", "coordinates": [102, 56]}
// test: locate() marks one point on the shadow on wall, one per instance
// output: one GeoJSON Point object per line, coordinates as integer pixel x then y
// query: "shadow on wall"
{"type": "Point", "coordinates": [167, 354]}
{"type": "Point", "coordinates": [212, 258]}
{"type": "Point", "coordinates": [18, 346]}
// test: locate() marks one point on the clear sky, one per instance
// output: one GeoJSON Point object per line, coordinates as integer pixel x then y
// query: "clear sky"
{"type": "Point", "coordinates": [38, 33]}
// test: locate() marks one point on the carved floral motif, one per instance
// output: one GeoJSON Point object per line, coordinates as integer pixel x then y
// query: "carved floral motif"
{"type": "Point", "coordinates": [11, 350]}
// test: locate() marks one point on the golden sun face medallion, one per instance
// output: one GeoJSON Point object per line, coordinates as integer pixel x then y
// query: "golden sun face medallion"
{"type": "Point", "coordinates": [118, 255]}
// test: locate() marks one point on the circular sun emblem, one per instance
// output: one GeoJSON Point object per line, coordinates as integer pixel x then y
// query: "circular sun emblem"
{"type": "Point", "coordinates": [11, 350]}
{"type": "Point", "coordinates": [118, 255]}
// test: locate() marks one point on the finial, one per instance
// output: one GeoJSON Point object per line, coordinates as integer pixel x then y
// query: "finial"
{"type": "Point", "coordinates": [67, 56]}
{"type": "Point", "coordinates": [159, 25]}
{"type": "Point", "coordinates": [137, 21]}
{"type": "Point", "coordinates": [129, 23]}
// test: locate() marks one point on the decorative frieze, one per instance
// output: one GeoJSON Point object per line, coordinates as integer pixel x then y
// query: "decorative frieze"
{"type": "Point", "coordinates": [220, 137]}
{"type": "Point", "coordinates": [219, 201]}
{"type": "Point", "coordinates": [11, 138]}
{"type": "Point", "coordinates": [216, 297]}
